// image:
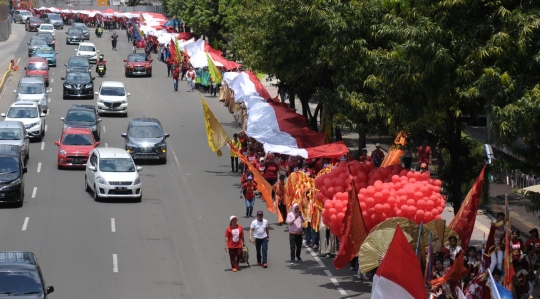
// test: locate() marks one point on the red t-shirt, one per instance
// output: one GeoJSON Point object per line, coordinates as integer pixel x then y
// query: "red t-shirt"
{"type": "Point", "coordinates": [234, 233]}
{"type": "Point", "coordinates": [271, 171]}
{"type": "Point", "coordinates": [243, 151]}
{"type": "Point", "coordinates": [260, 167]}
{"type": "Point", "coordinates": [176, 74]}
{"type": "Point", "coordinates": [252, 158]}
{"type": "Point", "coordinates": [423, 154]}
{"type": "Point", "coordinates": [249, 189]}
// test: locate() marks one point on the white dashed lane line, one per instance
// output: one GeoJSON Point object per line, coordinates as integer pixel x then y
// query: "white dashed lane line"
{"type": "Point", "coordinates": [106, 144]}
{"type": "Point", "coordinates": [50, 89]}
{"type": "Point", "coordinates": [49, 100]}
{"type": "Point", "coordinates": [42, 145]}
{"type": "Point", "coordinates": [115, 263]}
{"type": "Point", "coordinates": [48, 111]}
{"type": "Point", "coordinates": [52, 80]}
{"type": "Point", "coordinates": [34, 192]}
{"type": "Point", "coordinates": [39, 167]}
{"type": "Point", "coordinates": [328, 273]}
{"type": "Point", "coordinates": [317, 258]}
{"type": "Point", "coordinates": [45, 128]}
{"type": "Point", "coordinates": [113, 225]}
{"type": "Point", "coordinates": [25, 224]}
{"type": "Point", "coordinates": [104, 129]}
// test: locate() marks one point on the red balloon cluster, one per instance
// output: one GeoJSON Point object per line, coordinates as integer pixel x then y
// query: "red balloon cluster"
{"type": "Point", "coordinates": [383, 193]}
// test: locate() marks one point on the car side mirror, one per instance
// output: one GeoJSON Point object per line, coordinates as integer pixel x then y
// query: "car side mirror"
{"type": "Point", "coordinates": [62, 118]}
{"type": "Point", "coordinates": [98, 143]}
{"type": "Point", "coordinates": [96, 92]}
{"type": "Point", "coordinates": [25, 170]}
{"type": "Point", "coordinates": [14, 91]}
{"type": "Point", "coordinates": [123, 135]}
{"type": "Point", "coordinates": [139, 168]}
{"type": "Point", "coordinates": [56, 142]}
{"type": "Point", "coordinates": [43, 115]}
{"type": "Point", "coordinates": [25, 68]}
{"type": "Point", "coordinates": [3, 115]}
{"type": "Point", "coordinates": [167, 135]}
{"type": "Point", "coordinates": [28, 43]}
{"type": "Point", "coordinates": [50, 289]}
{"type": "Point", "coordinates": [99, 120]}
{"type": "Point", "coordinates": [65, 64]}
{"type": "Point", "coordinates": [92, 168]}
{"type": "Point", "coordinates": [76, 49]}
{"type": "Point", "coordinates": [125, 60]}
{"type": "Point", "coordinates": [55, 52]}
{"type": "Point", "coordinates": [62, 78]}
{"type": "Point", "coordinates": [128, 94]}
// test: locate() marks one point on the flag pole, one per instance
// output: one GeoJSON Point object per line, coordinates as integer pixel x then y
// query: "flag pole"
{"type": "Point", "coordinates": [419, 237]}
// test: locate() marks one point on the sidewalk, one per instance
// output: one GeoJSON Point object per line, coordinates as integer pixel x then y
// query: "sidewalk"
{"type": "Point", "coordinates": [10, 47]}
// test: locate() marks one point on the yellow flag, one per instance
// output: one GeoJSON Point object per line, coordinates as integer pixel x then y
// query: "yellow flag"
{"type": "Point", "coordinates": [215, 74]}
{"type": "Point", "coordinates": [217, 137]}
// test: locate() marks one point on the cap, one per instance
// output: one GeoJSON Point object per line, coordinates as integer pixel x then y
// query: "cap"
{"type": "Point", "coordinates": [423, 166]}
{"type": "Point", "coordinates": [259, 212]}
{"type": "Point", "coordinates": [249, 178]}
{"type": "Point", "coordinates": [533, 230]}
{"type": "Point", "coordinates": [377, 144]}
{"type": "Point", "coordinates": [261, 159]}
{"type": "Point", "coordinates": [232, 217]}
{"type": "Point", "coordinates": [364, 149]}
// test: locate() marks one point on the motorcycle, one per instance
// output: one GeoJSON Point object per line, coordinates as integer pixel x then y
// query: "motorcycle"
{"type": "Point", "coordinates": [101, 70]}
{"type": "Point", "coordinates": [99, 32]}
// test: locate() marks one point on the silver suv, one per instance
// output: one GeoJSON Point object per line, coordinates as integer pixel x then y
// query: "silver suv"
{"type": "Point", "coordinates": [14, 133]}
{"type": "Point", "coordinates": [33, 89]}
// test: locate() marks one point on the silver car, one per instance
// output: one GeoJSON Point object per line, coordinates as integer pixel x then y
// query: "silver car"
{"type": "Point", "coordinates": [20, 16]}
{"type": "Point", "coordinates": [33, 89]}
{"type": "Point", "coordinates": [14, 133]}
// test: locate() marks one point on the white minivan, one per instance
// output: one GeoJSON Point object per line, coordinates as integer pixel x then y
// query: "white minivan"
{"type": "Point", "coordinates": [112, 98]}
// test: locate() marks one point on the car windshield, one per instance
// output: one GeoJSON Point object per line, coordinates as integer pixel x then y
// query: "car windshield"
{"type": "Point", "coordinates": [113, 91]}
{"type": "Point", "coordinates": [54, 18]}
{"type": "Point", "coordinates": [18, 283]}
{"type": "Point", "coordinates": [83, 77]}
{"type": "Point", "coordinates": [75, 31]}
{"type": "Point", "coordinates": [7, 165]}
{"type": "Point", "coordinates": [78, 62]}
{"type": "Point", "coordinates": [22, 112]}
{"type": "Point", "coordinates": [36, 66]}
{"type": "Point", "coordinates": [80, 115]}
{"type": "Point", "coordinates": [45, 35]}
{"type": "Point", "coordinates": [77, 139]}
{"type": "Point", "coordinates": [25, 13]}
{"type": "Point", "coordinates": [46, 27]}
{"type": "Point", "coordinates": [87, 48]}
{"type": "Point", "coordinates": [31, 88]}
{"type": "Point", "coordinates": [116, 165]}
{"type": "Point", "coordinates": [38, 42]}
{"type": "Point", "coordinates": [145, 132]}
{"type": "Point", "coordinates": [80, 25]}
{"type": "Point", "coordinates": [45, 51]}
{"type": "Point", "coordinates": [137, 58]}
{"type": "Point", "coordinates": [11, 134]}
{"type": "Point", "coordinates": [34, 20]}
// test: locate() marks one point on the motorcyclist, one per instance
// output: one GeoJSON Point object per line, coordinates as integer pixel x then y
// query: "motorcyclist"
{"type": "Point", "coordinates": [101, 61]}
{"type": "Point", "coordinates": [99, 31]}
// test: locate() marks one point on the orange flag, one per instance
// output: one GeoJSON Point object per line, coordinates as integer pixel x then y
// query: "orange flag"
{"type": "Point", "coordinates": [354, 230]}
{"type": "Point", "coordinates": [262, 184]}
{"type": "Point", "coordinates": [456, 273]}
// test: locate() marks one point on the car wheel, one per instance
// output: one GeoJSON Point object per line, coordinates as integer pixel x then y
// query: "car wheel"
{"type": "Point", "coordinates": [86, 187]}
{"type": "Point", "coordinates": [96, 196]}
{"type": "Point", "coordinates": [26, 158]}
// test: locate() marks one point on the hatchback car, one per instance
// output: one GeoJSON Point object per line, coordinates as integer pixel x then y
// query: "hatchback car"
{"type": "Point", "coordinates": [85, 30]}
{"type": "Point", "coordinates": [89, 51]}
{"type": "Point", "coordinates": [74, 147]}
{"type": "Point", "coordinates": [83, 116]}
{"type": "Point", "coordinates": [21, 276]}
{"type": "Point", "coordinates": [38, 67]}
{"type": "Point", "coordinates": [48, 53]}
{"type": "Point", "coordinates": [30, 115]}
{"type": "Point", "coordinates": [33, 89]}
{"type": "Point", "coordinates": [20, 16]}
{"type": "Point", "coordinates": [35, 43]}
{"type": "Point", "coordinates": [77, 62]}
{"type": "Point", "coordinates": [48, 37]}
{"type": "Point", "coordinates": [74, 36]}
{"type": "Point", "coordinates": [111, 173]}
{"type": "Point", "coordinates": [112, 98]}
{"type": "Point", "coordinates": [78, 84]}
{"type": "Point", "coordinates": [12, 172]}
{"type": "Point", "coordinates": [145, 139]}
{"type": "Point", "coordinates": [138, 64]}
{"type": "Point", "coordinates": [47, 28]}
{"type": "Point", "coordinates": [14, 133]}
{"type": "Point", "coordinates": [32, 24]}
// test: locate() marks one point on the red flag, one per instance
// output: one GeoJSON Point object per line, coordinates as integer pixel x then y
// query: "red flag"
{"type": "Point", "coordinates": [172, 51]}
{"type": "Point", "coordinates": [456, 273]}
{"type": "Point", "coordinates": [354, 230]}
{"type": "Point", "coordinates": [463, 222]}
{"type": "Point", "coordinates": [508, 267]}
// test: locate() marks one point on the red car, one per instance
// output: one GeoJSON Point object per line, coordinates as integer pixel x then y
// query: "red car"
{"type": "Point", "coordinates": [138, 64]}
{"type": "Point", "coordinates": [32, 24]}
{"type": "Point", "coordinates": [38, 67]}
{"type": "Point", "coordinates": [74, 147]}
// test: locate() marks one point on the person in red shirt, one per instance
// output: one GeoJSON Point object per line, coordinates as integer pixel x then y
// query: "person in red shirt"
{"type": "Point", "coordinates": [175, 76]}
{"type": "Point", "coordinates": [234, 241]}
{"type": "Point", "coordinates": [191, 75]}
{"type": "Point", "coordinates": [243, 138]}
{"type": "Point", "coordinates": [424, 153]}
{"type": "Point", "coordinates": [261, 165]}
{"type": "Point", "coordinates": [305, 169]}
{"type": "Point", "coordinates": [248, 190]}
{"type": "Point", "coordinates": [252, 156]}
{"type": "Point", "coordinates": [169, 62]}
{"type": "Point", "coordinates": [364, 156]}
{"type": "Point", "coordinates": [516, 246]}
{"type": "Point", "coordinates": [271, 170]}
{"type": "Point", "coordinates": [534, 241]}
{"type": "Point", "coordinates": [283, 165]}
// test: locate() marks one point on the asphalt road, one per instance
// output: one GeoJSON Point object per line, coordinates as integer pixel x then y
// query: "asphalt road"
{"type": "Point", "coordinates": [170, 245]}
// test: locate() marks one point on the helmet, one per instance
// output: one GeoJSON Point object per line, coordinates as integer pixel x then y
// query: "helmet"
{"type": "Point", "coordinates": [101, 56]}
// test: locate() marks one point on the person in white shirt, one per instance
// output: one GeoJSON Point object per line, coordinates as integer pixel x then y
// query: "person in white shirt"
{"type": "Point", "coordinates": [259, 231]}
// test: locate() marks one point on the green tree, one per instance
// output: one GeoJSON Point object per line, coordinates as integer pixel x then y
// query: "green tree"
{"type": "Point", "coordinates": [203, 16]}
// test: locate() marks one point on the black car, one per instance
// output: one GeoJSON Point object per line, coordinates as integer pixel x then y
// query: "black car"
{"type": "Point", "coordinates": [78, 84]}
{"type": "Point", "coordinates": [77, 63]}
{"type": "Point", "coordinates": [12, 172]}
{"type": "Point", "coordinates": [35, 43]}
{"type": "Point", "coordinates": [85, 30]}
{"type": "Point", "coordinates": [83, 116]}
{"type": "Point", "coordinates": [21, 277]}
{"type": "Point", "coordinates": [74, 36]}
{"type": "Point", "coordinates": [145, 139]}
{"type": "Point", "coordinates": [48, 37]}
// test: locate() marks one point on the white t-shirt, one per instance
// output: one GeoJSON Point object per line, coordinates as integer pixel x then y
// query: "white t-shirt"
{"type": "Point", "coordinates": [259, 228]}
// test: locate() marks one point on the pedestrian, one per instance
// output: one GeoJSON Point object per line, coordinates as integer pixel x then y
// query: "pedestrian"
{"type": "Point", "coordinates": [377, 156]}
{"type": "Point", "coordinates": [424, 153]}
{"type": "Point", "coordinates": [295, 220]}
{"type": "Point", "coordinates": [248, 193]}
{"type": "Point", "coordinates": [185, 66]}
{"type": "Point", "coordinates": [129, 32]}
{"type": "Point", "coordinates": [364, 156]}
{"type": "Point", "coordinates": [234, 241]}
{"type": "Point", "coordinates": [516, 246]}
{"type": "Point", "coordinates": [169, 63]}
{"type": "Point", "coordinates": [534, 241]}
{"type": "Point", "coordinates": [259, 231]}
{"type": "Point", "coordinates": [496, 252]}
{"type": "Point", "coordinates": [114, 40]}
{"type": "Point", "coordinates": [175, 76]}
{"type": "Point", "coordinates": [271, 170]}
{"type": "Point", "coordinates": [234, 157]}
{"type": "Point", "coordinates": [279, 197]}
{"type": "Point", "coordinates": [529, 261]}
{"type": "Point", "coordinates": [134, 43]}
{"type": "Point", "coordinates": [191, 76]}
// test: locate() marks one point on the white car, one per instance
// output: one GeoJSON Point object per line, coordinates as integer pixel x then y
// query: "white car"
{"type": "Point", "coordinates": [89, 51]}
{"type": "Point", "coordinates": [30, 114]}
{"type": "Point", "coordinates": [112, 98]}
{"type": "Point", "coordinates": [111, 173]}
{"type": "Point", "coordinates": [47, 28]}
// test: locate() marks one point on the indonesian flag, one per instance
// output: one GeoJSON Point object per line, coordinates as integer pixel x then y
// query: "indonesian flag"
{"type": "Point", "coordinates": [399, 275]}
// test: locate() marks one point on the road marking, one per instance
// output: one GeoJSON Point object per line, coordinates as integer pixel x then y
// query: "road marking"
{"type": "Point", "coordinates": [42, 145]}
{"type": "Point", "coordinates": [39, 167]}
{"type": "Point", "coordinates": [114, 263]}
{"type": "Point", "coordinates": [104, 129]}
{"type": "Point", "coordinates": [335, 282]}
{"type": "Point", "coordinates": [49, 100]}
{"type": "Point", "coordinates": [52, 80]}
{"type": "Point", "coordinates": [25, 224]}
{"type": "Point", "coordinates": [45, 128]}
{"type": "Point", "coordinates": [113, 225]}
{"type": "Point", "coordinates": [321, 264]}
{"type": "Point", "coordinates": [342, 291]}
{"type": "Point", "coordinates": [48, 111]}
{"type": "Point", "coordinates": [50, 89]}
{"type": "Point", "coordinates": [34, 192]}
{"type": "Point", "coordinates": [18, 60]}
{"type": "Point", "coordinates": [106, 144]}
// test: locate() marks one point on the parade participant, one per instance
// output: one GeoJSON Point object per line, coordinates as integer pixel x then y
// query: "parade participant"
{"type": "Point", "coordinates": [377, 156]}
{"type": "Point", "coordinates": [364, 156]}
{"type": "Point", "coordinates": [446, 258]}
{"type": "Point", "coordinates": [306, 169]}
{"type": "Point", "coordinates": [295, 164]}
{"type": "Point", "coordinates": [496, 251]}
{"type": "Point", "coordinates": [283, 165]}
{"type": "Point", "coordinates": [520, 279]}
{"type": "Point", "coordinates": [234, 158]}
{"type": "Point", "coordinates": [271, 170]}
{"type": "Point", "coordinates": [295, 220]}
{"type": "Point", "coordinates": [234, 241]}
{"type": "Point", "coordinates": [423, 168]}
{"type": "Point", "coordinates": [528, 262]}
{"type": "Point", "coordinates": [169, 62]}
{"type": "Point", "coordinates": [243, 138]}
{"type": "Point", "coordinates": [251, 155]}
{"type": "Point", "coordinates": [135, 46]}
{"type": "Point", "coordinates": [261, 165]}
{"type": "Point", "coordinates": [129, 33]}
{"type": "Point", "coordinates": [260, 236]}
{"type": "Point", "coordinates": [248, 191]}
{"type": "Point", "coordinates": [472, 264]}
{"type": "Point", "coordinates": [279, 195]}
{"type": "Point", "coordinates": [453, 247]}
{"type": "Point", "coordinates": [535, 242]}
{"type": "Point", "coordinates": [185, 66]}
{"type": "Point", "coordinates": [407, 157]}
{"type": "Point", "coordinates": [424, 153]}
{"type": "Point", "coordinates": [191, 76]}
{"type": "Point", "coordinates": [114, 40]}
{"type": "Point", "coordinates": [516, 246]}
{"type": "Point", "coordinates": [205, 79]}
{"type": "Point", "coordinates": [175, 76]}
{"type": "Point", "coordinates": [440, 271]}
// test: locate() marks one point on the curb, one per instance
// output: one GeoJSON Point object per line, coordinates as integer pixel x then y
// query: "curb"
{"type": "Point", "coordinates": [6, 78]}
